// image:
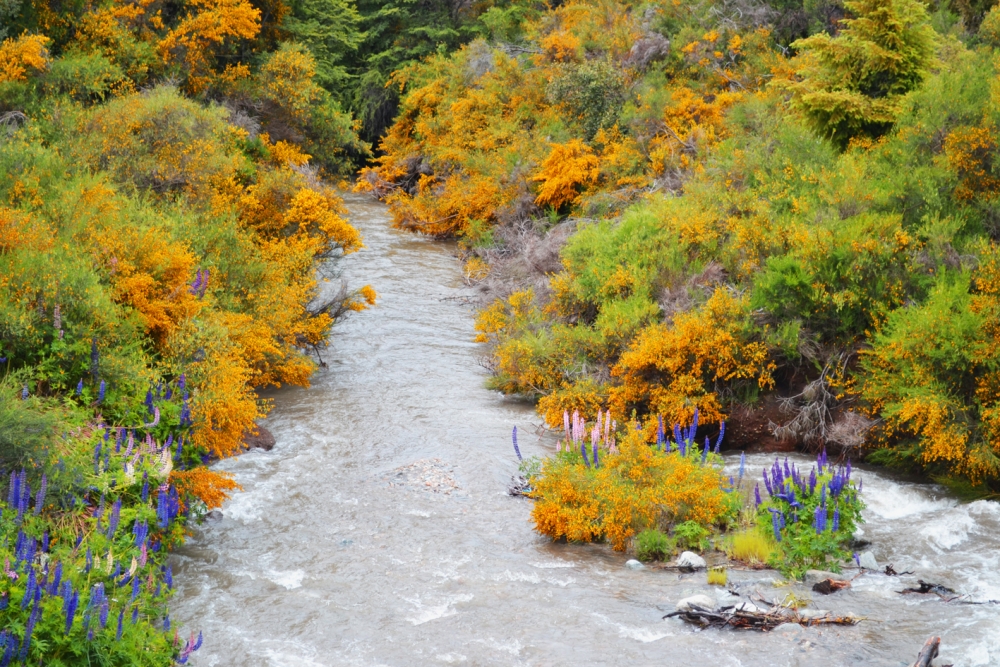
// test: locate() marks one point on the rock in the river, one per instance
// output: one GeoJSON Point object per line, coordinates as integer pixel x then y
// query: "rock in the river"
{"type": "Point", "coordinates": [692, 560]}
{"type": "Point", "coordinates": [700, 601]}
{"type": "Point", "coordinates": [748, 607]}
{"type": "Point", "coordinates": [868, 561]}
{"type": "Point", "coordinates": [813, 577]}
{"type": "Point", "coordinates": [263, 440]}
{"type": "Point", "coordinates": [633, 564]}
{"type": "Point", "coordinates": [214, 515]}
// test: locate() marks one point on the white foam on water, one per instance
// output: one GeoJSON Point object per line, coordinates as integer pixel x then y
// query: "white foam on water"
{"type": "Point", "coordinates": [507, 575]}
{"type": "Point", "coordinates": [427, 613]}
{"type": "Point", "coordinates": [551, 565]}
{"type": "Point", "coordinates": [419, 513]}
{"type": "Point", "coordinates": [451, 658]}
{"type": "Point", "coordinates": [512, 646]}
{"type": "Point", "coordinates": [895, 502]}
{"type": "Point", "coordinates": [949, 531]}
{"type": "Point", "coordinates": [290, 580]}
{"type": "Point", "coordinates": [640, 634]}
{"type": "Point", "coordinates": [285, 659]}
{"type": "Point", "coordinates": [245, 507]}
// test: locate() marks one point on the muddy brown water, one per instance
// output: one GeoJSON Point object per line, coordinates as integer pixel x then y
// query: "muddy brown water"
{"type": "Point", "coordinates": [378, 530]}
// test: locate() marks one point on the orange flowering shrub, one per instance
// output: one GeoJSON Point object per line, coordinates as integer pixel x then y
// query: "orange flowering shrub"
{"type": "Point", "coordinates": [970, 152]}
{"type": "Point", "coordinates": [567, 168]}
{"type": "Point", "coordinates": [208, 486]}
{"type": "Point", "coordinates": [627, 492]}
{"type": "Point", "coordinates": [672, 371]}
{"type": "Point", "coordinates": [20, 56]}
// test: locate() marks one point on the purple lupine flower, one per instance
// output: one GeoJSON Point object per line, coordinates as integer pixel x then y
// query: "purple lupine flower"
{"type": "Point", "coordinates": [743, 463]}
{"type": "Point", "coordinates": [121, 624]}
{"type": "Point", "coordinates": [678, 439]}
{"type": "Point", "coordinates": [822, 495]}
{"type": "Point", "coordinates": [196, 285]}
{"type": "Point", "coordinates": [516, 449]}
{"type": "Point", "coordinates": [100, 392]}
{"type": "Point", "coordinates": [756, 495]}
{"type": "Point", "coordinates": [24, 393]}
{"type": "Point", "coordinates": [145, 485]}
{"type": "Point", "coordinates": [848, 473]}
{"type": "Point", "coordinates": [583, 451]}
{"type": "Point", "coordinates": [29, 629]}
{"type": "Point", "coordinates": [788, 473]}
{"type": "Point", "coordinates": [836, 520]}
{"type": "Point", "coordinates": [56, 579]}
{"type": "Point", "coordinates": [166, 623]}
{"type": "Point", "coordinates": [812, 480]}
{"type": "Point", "coordinates": [69, 606]}
{"type": "Point", "coordinates": [14, 490]}
{"type": "Point", "coordinates": [861, 484]}
{"type": "Point", "coordinates": [79, 387]}
{"type": "Point", "coordinates": [135, 615]}
{"type": "Point", "coordinates": [89, 563]}
{"type": "Point", "coordinates": [767, 484]}
{"type": "Point", "coordinates": [660, 435]}
{"type": "Point", "coordinates": [857, 558]}
{"type": "Point", "coordinates": [722, 433]}
{"type": "Point", "coordinates": [116, 511]}
{"type": "Point", "coordinates": [40, 497]}
{"type": "Point", "coordinates": [819, 521]}
{"type": "Point", "coordinates": [776, 526]}
{"type": "Point", "coordinates": [135, 590]}
{"type": "Point", "coordinates": [95, 359]}
{"type": "Point", "coordinates": [704, 452]}
{"type": "Point", "coordinates": [204, 285]}
{"type": "Point", "coordinates": [180, 382]}
{"type": "Point", "coordinates": [29, 591]}
{"type": "Point", "coordinates": [595, 437]}
{"type": "Point", "coordinates": [168, 576]}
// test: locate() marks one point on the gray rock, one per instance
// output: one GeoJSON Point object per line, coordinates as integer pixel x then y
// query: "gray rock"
{"type": "Point", "coordinates": [868, 561]}
{"type": "Point", "coordinates": [262, 440]}
{"type": "Point", "coordinates": [633, 564]}
{"type": "Point", "coordinates": [692, 560]}
{"type": "Point", "coordinates": [813, 577]}
{"type": "Point", "coordinates": [700, 601]}
{"type": "Point", "coordinates": [789, 629]}
{"type": "Point", "coordinates": [214, 516]}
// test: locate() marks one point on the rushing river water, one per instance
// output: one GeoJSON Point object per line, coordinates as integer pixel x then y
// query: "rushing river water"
{"type": "Point", "coordinates": [378, 530]}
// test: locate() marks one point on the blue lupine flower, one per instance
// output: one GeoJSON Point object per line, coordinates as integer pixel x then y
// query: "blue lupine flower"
{"type": "Point", "coordinates": [95, 359]}
{"type": "Point", "coordinates": [836, 519]}
{"type": "Point", "coordinates": [100, 392]}
{"type": "Point", "coordinates": [767, 484]}
{"type": "Point", "coordinates": [135, 615]}
{"type": "Point", "coordinates": [90, 562]}
{"type": "Point", "coordinates": [848, 474]}
{"type": "Point", "coordinates": [168, 576]}
{"type": "Point", "coordinates": [660, 435]}
{"type": "Point", "coordinates": [597, 462]}
{"type": "Point", "coordinates": [776, 526]}
{"type": "Point", "coordinates": [40, 497]}
{"type": "Point", "coordinates": [29, 591]}
{"type": "Point", "coordinates": [166, 623]}
{"type": "Point", "coordinates": [180, 382]}
{"type": "Point", "coordinates": [819, 521]}
{"type": "Point", "coordinates": [69, 606]}
{"type": "Point", "coordinates": [743, 464]}
{"type": "Point", "coordinates": [135, 590]}
{"type": "Point", "coordinates": [583, 452]}
{"type": "Point", "coordinates": [116, 511]}
{"type": "Point", "coordinates": [756, 495]}
{"type": "Point", "coordinates": [24, 393]}
{"type": "Point", "coordinates": [857, 558]}
{"type": "Point", "coordinates": [56, 578]}
{"type": "Point", "coordinates": [516, 449]}
{"type": "Point", "coordinates": [722, 433]}
{"type": "Point", "coordinates": [677, 437]}
{"type": "Point", "coordinates": [822, 495]}
{"type": "Point", "coordinates": [149, 400]}
{"type": "Point", "coordinates": [121, 623]}
{"type": "Point", "coordinates": [145, 485]}
{"type": "Point", "coordinates": [79, 387]}
{"type": "Point", "coordinates": [812, 480]}
{"type": "Point", "coordinates": [788, 472]}
{"type": "Point", "coordinates": [704, 453]}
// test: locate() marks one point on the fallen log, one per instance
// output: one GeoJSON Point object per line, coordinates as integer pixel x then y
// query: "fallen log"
{"type": "Point", "coordinates": [942, 592]}
{"type": "Point", "coordinates": [928, 652]}
{"type": "Point", "coordinates": [763, 620]}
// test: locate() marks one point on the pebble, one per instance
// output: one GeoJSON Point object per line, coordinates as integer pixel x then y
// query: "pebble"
{"type": "Point", "coordinates": [427, 474]}
{"type": "Point", "coordinates": [692, 560]}
{"type": "Point", "coordinates": [633, 564]}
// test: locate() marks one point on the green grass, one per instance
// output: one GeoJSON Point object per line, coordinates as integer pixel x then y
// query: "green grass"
{"type": "Point", "coordinates": [751, 546]}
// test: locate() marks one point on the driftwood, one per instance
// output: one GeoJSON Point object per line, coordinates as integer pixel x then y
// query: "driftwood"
{"type": "Point", "coordinates": [762, 620]}
{"type": "Point", "coordinates": [890, 571]}
{"type": "Point", "coordinates": [942, 592]}
{"type": "Point", "coordinates": [828, 586]}
{"type": "Point", "coordinates": [928, 652]}
{"type": "Point", "coordinates": [518, 486]}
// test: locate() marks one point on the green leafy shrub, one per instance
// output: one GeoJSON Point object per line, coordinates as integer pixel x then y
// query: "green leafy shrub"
{"type": "Point", "coordinates": [691, 535]}
{"type": "Point", "coordinates": [651, 544]}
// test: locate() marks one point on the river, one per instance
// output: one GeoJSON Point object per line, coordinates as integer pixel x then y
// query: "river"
{"type": "Point", "coordinates": [378, 530]}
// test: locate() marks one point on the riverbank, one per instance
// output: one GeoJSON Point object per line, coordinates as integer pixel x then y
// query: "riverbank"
{"type": "Point", "coordinates": [324, 560]}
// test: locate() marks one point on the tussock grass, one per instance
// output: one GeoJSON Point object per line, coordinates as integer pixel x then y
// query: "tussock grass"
{"type": "Point", "coordinates": [751, 546]}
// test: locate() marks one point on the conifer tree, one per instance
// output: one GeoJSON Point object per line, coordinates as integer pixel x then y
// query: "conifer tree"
{"type": "Point", "coordinates": [851, 85]}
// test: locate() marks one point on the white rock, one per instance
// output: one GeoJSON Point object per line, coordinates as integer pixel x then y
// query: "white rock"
{"type": "Point", "coordinates": [633, 564]}
{"type": "Point", "coordinates": [748, 607]}
{"type": "Point", "coordinates": [692, 560]}
{"type": "Point", "coordinates": [868, 561]}
{"type": "Point", "coordinates": [813, 613]}
{"type": "Point", "coordinates": [701, 601]}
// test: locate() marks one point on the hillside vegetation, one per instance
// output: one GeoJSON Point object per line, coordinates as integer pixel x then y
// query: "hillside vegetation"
{"type": "Point", "coordinates": [711, 205]}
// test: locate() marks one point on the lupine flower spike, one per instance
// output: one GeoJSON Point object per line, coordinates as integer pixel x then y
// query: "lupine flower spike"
{"type": "Point", "coordinates": [516, 449]}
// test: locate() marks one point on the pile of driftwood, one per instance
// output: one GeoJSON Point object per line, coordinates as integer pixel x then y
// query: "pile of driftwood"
{"type": "Point", "coordinates": [756, 617]}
